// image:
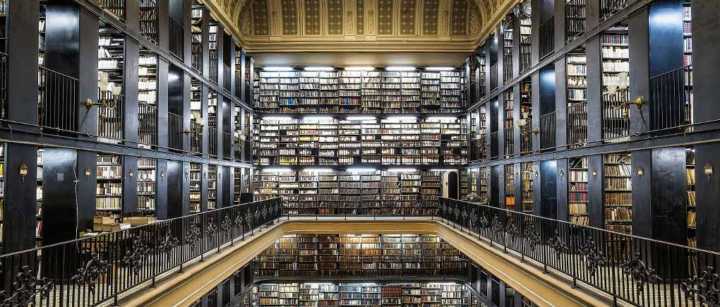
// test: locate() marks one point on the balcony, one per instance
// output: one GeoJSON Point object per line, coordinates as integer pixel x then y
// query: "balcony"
{"type": "Point", "coordinates": [147, 124]}
{"type": "Point", "coordinates": [175, 131]}
{"type": "Point", "coordinates": [671, 96]}
{"type": "Point", "coordinates": [110, 117]}
{"type": "Point", "coordinates": [547, 131]}
{"type": "Point", "coordinates": [196, 130]}
{"type": "Point", "coordinates": [57, 101]}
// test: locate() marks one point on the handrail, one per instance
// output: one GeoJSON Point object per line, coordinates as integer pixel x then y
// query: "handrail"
{"type": "Point", "coordinates": [629, 268]}
{"type": "Point", "coordinates": [94, 270]}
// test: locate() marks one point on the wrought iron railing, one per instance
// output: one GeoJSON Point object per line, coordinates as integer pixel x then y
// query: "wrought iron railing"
{"type": "Point", "coordinates": [630, 269]}
{"type": "Point", "coordinates": [610, 7]}
{"type": "Point", "coordinates": [577, 124]}
{"type": "Point", "coordinates": [227, 148]}
{"type": "Point", "coordinates": [98, 269]}
{"type": "Point", "coordinates": [547, 37]}
{"type": "Point", "coordinates": [547, 130]}
{"type": "Point", "coordinates": [110, 116]}
{"type": "Point", "coordinates": [616, 114]}
{"type": "Point", "coordinates": [147, 124]}
{"type": "Point", "coordinates": [3, 83]}
{"type": "Point", "coordinates": [115, 7]}
{"type": "Point", "coordinates": [671, 99]}
{"type": "Point", "coordinates": [177, 38]}
{"type": "Point", "coordinates": [57, 100]}
{"type": "Point", "coordinates": [175, 131]}
{"type": "Point", "coordinates": [196, 130]}
{"type": "Point", "coordinates": [213, 141]}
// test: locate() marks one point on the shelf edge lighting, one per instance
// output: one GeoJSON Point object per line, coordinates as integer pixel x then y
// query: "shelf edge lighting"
{"type": "Point", "coordinates": [440, 68]}
{"type": "Point", "coordinates": [317, 169]}
{"type": "Point", "coordinates": [360, 68]}
{"type": "Point", "coordinates": [400, 68]}
{"type": "Point", "coordinates": [278, 118]}
{"type": "Point", "coordinates": [317, 118]}
{"type": "Point", "coordinates": [276, 170]}
{"type": "Point", "coordinates": [278, 68]}
{"type": "Point", "coordinates": [401, 170]}
{"type": "Point", "coordinates": [319, 68]}
{"type": "Point", "coordinates": [360, 117]}
{"type": "Point", "coordinates": [360, 170]}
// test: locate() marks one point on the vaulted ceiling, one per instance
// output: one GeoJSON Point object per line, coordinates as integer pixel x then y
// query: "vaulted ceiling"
{"type": "Point", "coordinates": [360, 25]}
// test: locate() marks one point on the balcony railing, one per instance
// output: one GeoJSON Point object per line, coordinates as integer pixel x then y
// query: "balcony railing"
{"type": "Point", "coordinates": [3, 83]}
{"type": "Point", "coordinates": [610, 7]}
{"type": "Point", "coordinates": [175, 131]}
{"type": "Point", "coordinates": [196, 130]}
{"type": "Point", "coordinates": [630, 269]}
{"type": "Point", "coordinates": [213, 141]}
{"type": "Point", "coordinates": [110, 116]}
{"type": "Point", "coordinates": [547, 131]}
{"type": "Point", "coordinates": [57, 100]}
{"type": "Point", "coordinates": [577, 124]}
{"type": "Point", "coordinates": [671, 99]}
{"type": "Point", "coordinates": [97, 270]}
{"type": "Point", "coordinates": [509, 141]}
{"type": "Point", "coordinates": [147, 124]}
{"type": "Point", "coordinates": [616, 115]}
{"type": "Point", "coordinates": [227, 136]}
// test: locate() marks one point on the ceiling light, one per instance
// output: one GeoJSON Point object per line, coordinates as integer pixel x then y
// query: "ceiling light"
{"type": "Point", "coordinates": [360, 68]}
{"type": "Point", "coordinates": [319, 68]}
{"type": "Point", "coordinates": [440, 68]}
{"type": "Point", "coordinates": [400, 68]}
{"type": "Point", "coordinates": [278, 68]}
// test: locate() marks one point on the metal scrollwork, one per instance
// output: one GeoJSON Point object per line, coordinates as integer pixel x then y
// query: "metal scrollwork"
{"type": "Point", "coordinates": [89, 274]}
{"type": "Point", "coordinates": [532, 235]}
{"type": "Point", "coordinates": [136, 255]}
{"type": "Point", "coordinates": [514, 230]}
{"type": "Point", "coordinates": [594, 257]}
{"type": "Point", "coordinates": [193, 235]}
{"type": "Point", "coordinates": [238, 220]}
{"type": "Point", "coordinates": [558, 243]}
{"type": "Point", "coordinates": [168, 243]}
{"type": "Point", "coordinates": [473, 219]}
{"type": "Point", "coordinates": [211, 228]}
{"type": "Point", "coordinates": [640, 272]}
{"type": "Point", "coordinates": [704, 287]}
{"type": "Point", "coordinates": [498, 224]}
{"type": "Point", "coordinates": [226, 224]}
{"type": "Point", "coordinates": [484, 222]}
{"type": "Point", "coordinates": [249, 218]}
{"type": "Point", "coordinates": [26, 289]}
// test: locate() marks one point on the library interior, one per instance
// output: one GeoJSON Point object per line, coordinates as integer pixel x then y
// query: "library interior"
{"type": "Point", "coordinates": [410, 153]}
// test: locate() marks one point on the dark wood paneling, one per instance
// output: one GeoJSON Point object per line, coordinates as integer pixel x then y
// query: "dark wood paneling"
{"type": "Point", "coordinates": [60, 205]}
{"type": "Point", "coordinates": [161, 205]}
{"type": "Point", "coordinates": [22, 49]}
{"type": "Point", "coordinates": [174, 188]}
{"type": "Point", "coordinates": [669, 193]}
{"type": "Point", "coordinates": [562, 190]}
{"type": "Point", "coordinates": [707, 189]}
{"type": "Point", "coordinates": [706, 68]}
{"type": "Point", "coordinates": [87, 170]}
{"type": "Point", "coordinates": [595, 187]}
{"type": "Point", "coordinates": [87, 72]}
{"type": "Point", "coordinates": [20, 205]}
{"type": "Point", "coordinates": [548, 189]}
{"type": "Point", "coordinates": [129, 184]}
{"type": "Point", "coordinates": [639, 70]}
{"type": "Point", "coordinates": [642, 199]}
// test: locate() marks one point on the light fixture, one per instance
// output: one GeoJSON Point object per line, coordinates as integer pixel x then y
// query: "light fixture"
{"type": "Point", "coordinates": [443, 170]}
{"type": "Point", "coordinates": [317, 118]}
{"type": "Point", "coordinates": [23, 171]}
{"type": "Point", "coordinates": [276, 170]}
{"type": "Point", "coordinates": [278, 68]}
{"type": "Point", "coordinates": [441, 119]}
{"type": "Point", "coordinates": [277, 118]}
{"type": "Point", "coordinates": [319, 68]}
{"type": "Point", "coordinates": [401, 119]}
{"type": "Point", "coordinates": [708, 169]}
{"type": "Point", "coordinates": [88, 172]}
{"type": "Point", "coordinates": [360, 117]}
{"type": "Point", "coordinates": [356, 170]}
{"type": "Point", "coordinates": [401, 170]}
{"type": "Point", "coordinates": [317, 170]}
{"type": "Point", "coordinates": [440, 68]}
{"type": "Point", "coordinates": [400, 68]}
{"type": "Point", "coordinates": [640, 171]}
{"type": "Point", "coordinates": [360, 68]}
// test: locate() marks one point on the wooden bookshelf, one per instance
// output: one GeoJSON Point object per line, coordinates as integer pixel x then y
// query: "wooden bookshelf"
{"type": "Point", "coordinates": [111, 68]}
{"type": "Point", "coordinates": [525, 35]}
{"type": "Point", "coordinates": [212, 178]}
{"type": "Point", "coordinates": [147, 98]}
{"type": "Point", "coordinates": [525, 122]}
{"type": "Point", "coordinates": [109, 184]}
{"type": "Point", "coordinates": [149, 19]}
{"type": "Point", "coordinates": [39, 196]}
{"type": "Point", "coordinates": [355, 92]}
{"type": "Point", "coordinates": [578, 191]}
{"type": "Point", "coordinates": [484, 185]}
{"type": "Point", "coordinates": [576, 73]}
{"type": "Point", "coordinates": [617, 194]}
{"type": "Point", "coordinates": [146, 185]}
{"type": "Point", "coordinates": [508, 124]}
{"type": "Point", "coordinates": [575, 18]}
{"type": "Point", "coordinates": [615, 54]}
{"type": "Point", "coordinates": [195, 187]}
{"type": "Point", "coordinates": [2, 193]}
{"type": "Point", "coordinates": [527, 175]}
{"type": "Point", "coordinates": [688, 61]}
{"type": "Point", "coordinates": [197, 38]}
{"type": "Point", "coordinates": [509, 172]}
{"type": "Point", "coordinates": [691, 205]}
{"type": "Point", "coordinates": [508, 26]}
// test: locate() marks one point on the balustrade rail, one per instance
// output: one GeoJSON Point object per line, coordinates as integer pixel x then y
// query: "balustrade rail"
{"type": "Point", "coordinates": [110, 116]}
{"type": "Point", "coordinates": [57, 100]}
{"type": "Point", "coordinates": [630, 269]}
{"type": "Point", "coordinates": [547, 130]}
{"type": "Point", "coordinates": [547, 37]}
{"type": "Point", "coordinates": [175, 131]}
{"type": "Point", "coordinates": [147, 124]}
{"type": "Point", "coordinates": [671, 99]}
{"type": "Point", "coordinates": [97, 270]}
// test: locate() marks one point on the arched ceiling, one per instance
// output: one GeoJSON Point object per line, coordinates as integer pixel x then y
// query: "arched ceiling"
{"type": "Point", "coordinates": [360, 25]}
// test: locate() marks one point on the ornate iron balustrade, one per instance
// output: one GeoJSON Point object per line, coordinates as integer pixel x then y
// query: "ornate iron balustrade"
{"type": "Point", "coordinates": [96, 270]}
{"type": "Point", "coordinates": [630, 269]}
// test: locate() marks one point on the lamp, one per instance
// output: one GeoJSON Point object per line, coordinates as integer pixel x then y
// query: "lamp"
{"type": "Point", "coordinates": [23, 171]}
{"type": "Point", "coordinates": [708, 170]}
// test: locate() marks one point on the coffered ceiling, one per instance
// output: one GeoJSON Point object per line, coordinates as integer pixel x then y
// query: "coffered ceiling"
{"type": "Point", "coordinates": [360, 25]}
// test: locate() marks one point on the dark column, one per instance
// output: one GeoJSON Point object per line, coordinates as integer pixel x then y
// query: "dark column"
{"type": "Point", "coordinates": [535, 100]}
{"type": "Point", "coordinates": [706, 68]}
{"type": "Point", "coordinates": [707, 191]}
{"type": "Point", "coordinates": [129, 184]}
{"type": "Point", "coordinates": [174, 189]}
{"type": "Point", "coordinates": [562, 190]}
{"type": "Point", "coordinates": [22, 89]}
{"type": "Point", "coordinates": [20, 203]}
{"type": "Point", "coordinates": [548, 189]}
{"type": "Point", "coordinates": [559, 15]}
{"type": "Point", "coordinates": [516, 119]}
{"type": "Point", "coordinates": [595, 208]}
{"type": "Point", "coordinates": [87, 71]}
{"type": "Point", "coordinates": [241, 91]}
{"type": "Point", "coordinates": [535, 6]}
{"type": "Point", "coordinates": [87, 183]}
{"type": "Point", "coordinates": [500, 46]}
{"type": "Point", "coordinates": [161, 205]}
{"type": "Point", "coordinates": [162, 76]}
{"type": "Point", "coordinates": [59, 207]}
{"type": "Point", "coordinates": [185, 203]}
{"type": "Point", "coordinates": [130, 83]}
{"type": "Point", "coordinates": [517, 188]}
{"type": "Point", "coordinates": [499, 173]}
{"type": "Point", "coordinates": [560, 103]}
{"type": "Point", "coordinates": [639, 69]}
{"type": "Point", "coordinates": [204, 188]}
{"type": "Point", "coordinates": [642, 200]}
{"type": "Point", "coordinates": [594, 76]}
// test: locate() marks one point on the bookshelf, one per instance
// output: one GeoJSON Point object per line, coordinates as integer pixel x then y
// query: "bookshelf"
{"type": "Point", "coordinates": [366, 293]}
{"type": "Point", "coordinates": [308, 256]}
{"type": "Point", "coordinates": [147, 98]}
{"type": "Point", "coordinates": [578, 191]}
{"type": "Point", "coordinates": [359, 92]}
{"type": "Point", "coordinates": [237, 184]}
{"type": "Point", "coordinates": [509, 172]}
{"type": "Point", "coordinates": [111, 67]}
{"type": "Point", "coordinates": [691, 205]}
{"type": "Point", "coordinates": [195, 186]}
{"type": "Point", "coordinates": [114, 7]}
{"type": "Point", "coordinates": [508, 124]}
{"type": "Point", "coordinates": [617, 194]}
{"type": "Point", "coordinates": [525, 122]}
{"type": "Point", "coordinates": [39, 196]}
{"type": "Point", "coordinates": [196, 117]}
{"type": "Point", "coordinates": [197, 39]}
{"type": "Point", "coordinates": [615, 53]}
{"type": "Point", "coordinates": [688, 61]}
{"type": "Point", "coordinates": [213, 49]}
{"type": "Point", "coordinates": [574, 18]}
{"type": "Point", "coordinates": [508, 26]}
{"type": "Point", "coordinates": [527, 175]}
{"type": "Point", "coordinates": [109, 185]}
{"type": "Point", "coordinates": [525, 35]}
{"type": "Point", "coordinates": [484, 185]}
{"type": "Point", "coordinates": [212, 178]}
{"type": "Point", "coordinates": [149, 19]}
{"type": "Point", "coordinates": [146, 185]}
{"type": "Point", "coordinates": [407, 141]}
{"type": "Point", "coordinates": [2, 192]}
{"type": "Point", "coordinates": [576, 71]}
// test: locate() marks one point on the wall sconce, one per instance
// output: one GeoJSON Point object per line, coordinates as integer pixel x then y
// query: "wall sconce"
{"type": "Point", "coordinates": [594, 173]}
{"type": "Point", "coordinates": [162, 174]}
{"type": "Point", "coordinates": [640, 171]}
{"type": "Point", "coordinates": [88, 172]}
{"type": "Point", "coordinates": [23, 171]}
{"type": "Point", "coordinates": [131, 174]}
{"type": "Point", "coordinates": [639, 102]}
{"type": "Point", "coordinates": [562, 172]}
{"type": "Point", "coordinates": [708, 170]}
